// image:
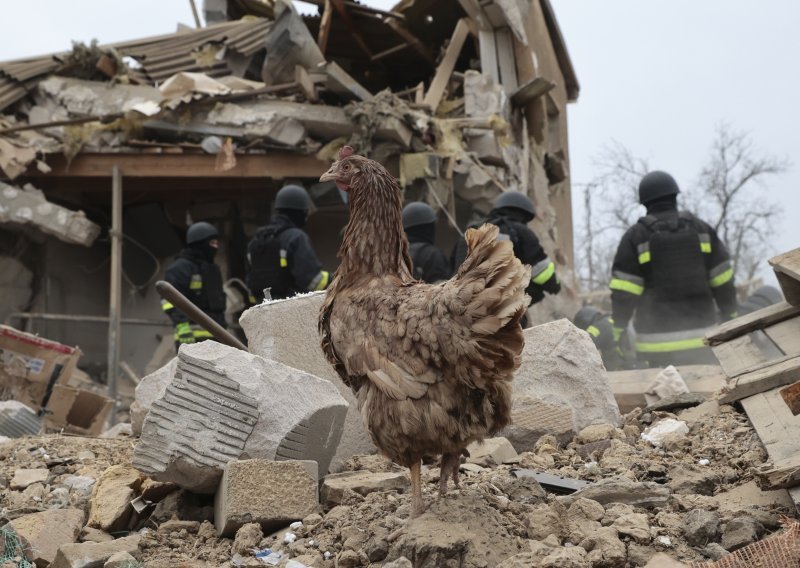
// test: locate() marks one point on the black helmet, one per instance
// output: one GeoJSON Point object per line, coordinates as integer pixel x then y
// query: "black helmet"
{"type": "Point", "coordinates": [586, 316]}
{"type": "Point", "coordinates": [293, 197]}
{"type": "Point", "coordinates": [515, 199]}
{"type": "Point", "coordinates": [655, 185]}
{"type": "Point", "coordinates": [200, 232]}
{"type": "Point", "coordinates": [761, 298]}
{"type": "Point", "coordinates": [418, 213]}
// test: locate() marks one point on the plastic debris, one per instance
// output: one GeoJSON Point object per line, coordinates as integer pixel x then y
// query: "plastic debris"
{"type": "Point", "coordinates": [289, 538]}
{"type": "Point", "coordinates": [295, 525]}
{"type": "Point", "coordinates": [704, 461]}
{"type": "Point", "coordinates": [663, 428]}
{"type": "Point", "coordinates": [664, 541]}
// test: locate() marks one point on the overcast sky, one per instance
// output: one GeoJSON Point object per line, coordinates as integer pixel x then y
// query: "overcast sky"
{"type": "Point", "coordinates": [656, 76]}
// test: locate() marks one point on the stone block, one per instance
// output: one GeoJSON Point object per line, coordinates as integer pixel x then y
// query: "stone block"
{"type": "Point", "coordinates": [149, 390]}
{"type": "Point", "coordinates": [335, 485]}
{"type": "Point", "coordinates": [270, 493]}
{"type": "Point", "coordinates": [224, 404]}
{"type": "Point", "coordinates": [94, 554]}
{"type": "Point", "coordinates": [110, 506]}
{"type": "Point", "coordinates": [45, 532]}
{"type": "Point", "coordinates": [286, 331]}
{"type": "Point", "coordinates": [492, 451]}
{"type": "Point", "coordinates": [25, 477]}
{"type": "Point", "coordinates": [621, 490]}
{"type": "Point", "coordinates": [120, 560]}
{"type": "Point", "coordinates": [560, 388]}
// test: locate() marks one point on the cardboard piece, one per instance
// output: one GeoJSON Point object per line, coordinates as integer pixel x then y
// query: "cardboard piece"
{"type": "Point", "coordinates": [39, 356]}
{"type": "Point", "coordinates": [77, 411]}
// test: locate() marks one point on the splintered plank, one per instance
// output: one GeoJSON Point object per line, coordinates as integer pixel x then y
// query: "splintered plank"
{"type": "Point", "coordinates": [787, 270]}
{"type": "Point", "coordinates": [738, 355]}
{"type": "Point", "coordinates": [435, 92]}
{"type": "Point", "coordinates": [751, 322]}
{"type": "Point", "coordinates": [777, 428]}
{"type": "Point", "coordinates": [487, 41]}
{"type": "Point", "coordinates": [776, 374]}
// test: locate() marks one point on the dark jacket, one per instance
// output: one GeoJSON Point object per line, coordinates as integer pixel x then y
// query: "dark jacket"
{"type": "Point", "coordinates": [200, 280]}
{"type": "Point", "coordinates": [280, 257]}
{"type": "Point", "coordinates": [669, 272]}
{"type": "Point", "coordinates": [526, 248]}
{"type": "Point", "coordinates": [430, 263]}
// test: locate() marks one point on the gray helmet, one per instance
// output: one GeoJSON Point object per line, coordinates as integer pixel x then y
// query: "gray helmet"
{"type": "Point", "coordinates": [586, 316]}
{"type": "Point", "coordinates": [200, 232]}
{"type": "Point", "coordinates": [417, 213]}
{"type": "Point", "coordinates": [293, 197]}
{"type": "Point", "coordinates": [515, 199]}
{"type": "Point", "coordinates": [655, 185]}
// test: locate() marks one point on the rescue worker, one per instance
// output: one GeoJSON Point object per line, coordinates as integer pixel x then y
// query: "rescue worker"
{"type": "Point", "coordinates": [600, 326]}
{"type": "Point", "coordinates": [195, 275]}
{"type": "Point", "coordinates": [280, 256]}
{"type": "Point", "coordinates": [511, 214]}
{"type": "Point", "coordinates": [669, 272]}
{"type": "Point", "coordinates": [430, 263]}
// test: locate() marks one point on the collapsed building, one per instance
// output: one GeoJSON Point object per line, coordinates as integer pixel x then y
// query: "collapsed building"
{"type": "Point", "coordinates": [108, 152]}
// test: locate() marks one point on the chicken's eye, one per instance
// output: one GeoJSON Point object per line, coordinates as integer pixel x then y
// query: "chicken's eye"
{"type": "Point", "coordinates": [346, 167]}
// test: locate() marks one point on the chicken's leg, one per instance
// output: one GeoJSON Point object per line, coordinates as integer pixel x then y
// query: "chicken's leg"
{"type": "Point", "coordinates": [449, 468]}
{"type": "Point", "coordinates": [417, 506]}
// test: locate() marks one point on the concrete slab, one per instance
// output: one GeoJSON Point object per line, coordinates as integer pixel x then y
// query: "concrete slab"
{"type": "Point", "coordinates": [286, 331]}
{"type": "Point", "coordinates": [225, 404]}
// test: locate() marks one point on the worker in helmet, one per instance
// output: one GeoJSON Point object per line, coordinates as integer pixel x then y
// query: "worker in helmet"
{"type": "Point", "coordinates": [511, 214]}
{"type": "Point", "coordinates": [671, 275]}
{"type": "Point", "coordinates": [600, 327]}
{"type": "Point", "coordinates": [760, 299]}
{"type": "Point", "coordinates": [195, 275]}
{"type": "Point", "coordinates": [429, 262]}
{"type": "Point", "coordinates": [280, 256]}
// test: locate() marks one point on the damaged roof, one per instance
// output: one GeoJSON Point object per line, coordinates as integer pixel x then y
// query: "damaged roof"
{"type": "Point", "coordinates": [212, 50]}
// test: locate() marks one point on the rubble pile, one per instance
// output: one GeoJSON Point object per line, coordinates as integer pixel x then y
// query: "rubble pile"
{"type": "Point", "coordinates": [692, 496]}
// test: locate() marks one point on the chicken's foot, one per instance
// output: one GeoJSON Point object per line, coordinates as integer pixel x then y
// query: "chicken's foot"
{"type": "Point", "coordinates": [417, 506]}
{"type": "Point", "coordinates": [449, 468]}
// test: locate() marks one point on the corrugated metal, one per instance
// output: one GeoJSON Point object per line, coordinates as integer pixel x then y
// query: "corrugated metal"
{"type": "Point", "coordinates": [160, 56]}
{"type": "Point", "coordinates": [19, 422]}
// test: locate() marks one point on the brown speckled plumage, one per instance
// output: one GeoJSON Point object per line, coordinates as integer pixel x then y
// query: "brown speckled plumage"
{"type": "Point", "coordinates": [431, 365]}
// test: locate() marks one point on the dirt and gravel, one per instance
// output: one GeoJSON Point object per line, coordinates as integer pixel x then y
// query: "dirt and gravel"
{"type": "Point", "coordinates": [694, 498]}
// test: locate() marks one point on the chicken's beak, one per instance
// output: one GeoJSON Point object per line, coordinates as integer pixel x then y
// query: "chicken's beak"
{"type": "Point", "coordinates": [330, 175]}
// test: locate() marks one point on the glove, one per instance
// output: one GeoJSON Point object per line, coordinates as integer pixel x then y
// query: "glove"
{"type": "Point", "coordinates": [184, 333]}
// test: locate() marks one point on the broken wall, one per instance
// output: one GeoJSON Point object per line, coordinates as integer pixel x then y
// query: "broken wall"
{"type": "Point", "coordinates": [76, 282]}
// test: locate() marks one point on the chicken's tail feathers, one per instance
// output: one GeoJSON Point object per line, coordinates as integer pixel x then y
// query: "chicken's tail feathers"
{"type": "Point", "coordinates": [492, 284]}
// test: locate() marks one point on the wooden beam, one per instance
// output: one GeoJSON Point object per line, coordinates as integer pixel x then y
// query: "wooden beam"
{"type": "Point", "coordinates": [436, 90]}
{"type": "Point", "coordinates": [412, 40]}
{"type": "Point", "coordinates": [390, 51]}
{"type": "Point", "coordinates": [505, 58]}
{"type": "Point", "coordinates": [474, 11]}
{"type": "Point", "coordinates": [751, 322]}
{"type": "Point", "coordinates": [743, 354]}
{"type": "Point", "coordinates": [341, 8]}
{"type": "Point", "coordinates": [325, 27]}
{"type": "Point", "coordinates": [777, 429]}
{"type": "Point", "coordinates": [536, 87]}
{"type": "Point", "coordinates": [776, 375]}
{"type": "Point", "coordinates": [272, 165]}
{"type": "Point", "coordinates": [488, 48]}
{"type": "Point", "coordinates": [340, 82]}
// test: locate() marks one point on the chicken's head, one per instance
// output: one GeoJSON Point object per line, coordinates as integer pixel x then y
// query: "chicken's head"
{"type": "Point", "coordinates": [344, 169]}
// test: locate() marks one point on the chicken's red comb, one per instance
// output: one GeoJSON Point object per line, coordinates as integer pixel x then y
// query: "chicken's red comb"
{"type": "Point", "coordinates": [345, 152]}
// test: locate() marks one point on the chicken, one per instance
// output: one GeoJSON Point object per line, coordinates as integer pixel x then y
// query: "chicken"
{"type": "Point", "coordinates": [431, 365]}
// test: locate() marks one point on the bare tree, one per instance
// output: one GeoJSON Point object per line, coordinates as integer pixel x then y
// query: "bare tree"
{"type": "Point", "coordinates": [728, 194]}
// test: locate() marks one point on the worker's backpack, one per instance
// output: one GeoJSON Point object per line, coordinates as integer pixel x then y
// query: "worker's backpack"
{"type": "Point", "coordinates": [675, 268]}
{"type": "Point", "coordinates": [269, 264]}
